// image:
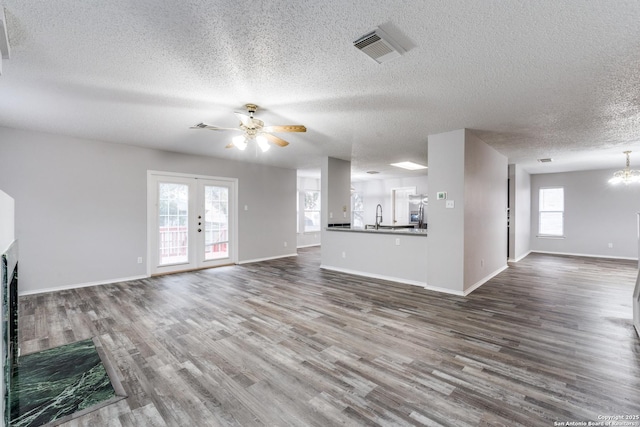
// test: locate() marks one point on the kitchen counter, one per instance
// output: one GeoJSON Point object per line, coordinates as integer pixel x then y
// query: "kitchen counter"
{"type": "Point", "coordinates": [388, 229]}
{"type": "Point", "coordinates": [399, 255]}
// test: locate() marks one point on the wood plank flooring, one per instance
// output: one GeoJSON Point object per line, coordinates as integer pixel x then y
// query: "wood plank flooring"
{"type": "Point", "coordinates": [283, 343]}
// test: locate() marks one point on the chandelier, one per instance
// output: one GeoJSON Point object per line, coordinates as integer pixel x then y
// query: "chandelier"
{"type": "Point", "coordinates": [626, 175]}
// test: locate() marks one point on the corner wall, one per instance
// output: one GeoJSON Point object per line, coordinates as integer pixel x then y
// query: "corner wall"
{"type": "Point", "coordinates": [485, 211]}
{"type": "Point", "coordinates": [81, 206]}
{"type": "Point", "coordinates": [468, 240]}
{"type": "Point", "coordinates": [520, 204]}
{"type": "Point", "coordinates": [446, 226]}
{"type": "Point", "coordinates": [596, 213]}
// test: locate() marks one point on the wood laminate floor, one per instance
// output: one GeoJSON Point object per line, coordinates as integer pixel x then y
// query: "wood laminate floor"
{"type": "Point", "coordinates": [283, 343]}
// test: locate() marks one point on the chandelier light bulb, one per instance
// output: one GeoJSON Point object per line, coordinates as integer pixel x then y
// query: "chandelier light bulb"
{"type": "Point", "coordinates": [239, 142]}
{"type": "Point", "coordinates": [263, 143]}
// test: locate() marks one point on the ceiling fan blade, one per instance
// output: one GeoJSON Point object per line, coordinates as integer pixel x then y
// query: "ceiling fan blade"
{"type": "Point", "coordinates": [244, 119]}
{"type": "Point", "coordinates": [204, 126]}
{"type": "Point", "coordinates": [276, 140]}
{"type": "Point", "coordinates": [285, 128]}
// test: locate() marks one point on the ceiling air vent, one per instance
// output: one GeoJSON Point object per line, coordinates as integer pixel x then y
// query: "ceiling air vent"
{"type": "Point", "coordinates": [379, 46]}
{"type": "Point", "coordinates": [547, 160]}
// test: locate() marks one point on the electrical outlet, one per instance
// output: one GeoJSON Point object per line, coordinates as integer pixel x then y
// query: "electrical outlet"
{"type": "Point", "coordinates": [610, 245]}
{"type": "Point", "coordinates": [450, 204]}
{"type": "Point", "coordinates": [481, 263]}
{"type": "Point", "coordinates": [246, 207]}
{"type": "Point", "coordinates": [397, 241]}
{"type": "Point", "coordinates": [139, 260]}
{"type": "Point", "coordinates": [285, 244]}
{"type": "Point", "coordinates": [344, 254]}
{"type": "Point", "coordinates": [330, 214]}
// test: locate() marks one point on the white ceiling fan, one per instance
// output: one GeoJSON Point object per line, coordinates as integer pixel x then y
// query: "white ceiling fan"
{"type": "Point", "coordinates": [254, 129]}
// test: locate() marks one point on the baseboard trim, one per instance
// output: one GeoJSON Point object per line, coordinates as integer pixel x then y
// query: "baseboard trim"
{"type": "Point", "coordinates": [81, 285]}
{"type": "Point", "coordinates": [392, 279]}
{"type": "Point", "coordinates": [585, 255]}
{"type": "Point", "coordinates": [485, 280]}
{"type": "Point", "coordinates": [520, 258]}
{"type": "Point", "coordinates": [250, 261]}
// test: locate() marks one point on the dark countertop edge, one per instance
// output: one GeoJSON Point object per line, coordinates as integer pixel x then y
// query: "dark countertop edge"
{"type": "Point", "coordinates": [404, 232]}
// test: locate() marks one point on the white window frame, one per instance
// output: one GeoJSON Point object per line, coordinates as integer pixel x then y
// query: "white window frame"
{"type": "Point", "coordinates": [542, 211]}
{"type": "Point", "coordinates": [304, 211]}
{"type": "Point", "coordinates": [359, 213]}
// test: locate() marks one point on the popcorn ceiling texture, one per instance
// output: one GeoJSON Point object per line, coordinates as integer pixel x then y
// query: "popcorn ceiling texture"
{"type": "Point", "coordinates": [532, 79]}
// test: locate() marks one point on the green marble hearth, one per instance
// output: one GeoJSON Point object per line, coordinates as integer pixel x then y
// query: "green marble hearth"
{"type": "Point", "coordinates": [59, 384]}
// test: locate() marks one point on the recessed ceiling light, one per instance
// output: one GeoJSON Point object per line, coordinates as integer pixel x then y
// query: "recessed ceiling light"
{"type": "Point", "coordinates": [547, 160]}
{"type": "Point", "coordinates": [409, 165]}
{"type": "Point", "coordinates": [372, 172]}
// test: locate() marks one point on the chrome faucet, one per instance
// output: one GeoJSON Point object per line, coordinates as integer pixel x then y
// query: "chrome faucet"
{"type": "Point", "coordinates": [378, 215]}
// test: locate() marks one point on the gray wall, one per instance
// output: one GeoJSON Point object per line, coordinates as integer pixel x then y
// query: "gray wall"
{"type": "Point", "coordinates": [485, 211]}
{"type": "Point", "coordinates": [81, 206]}
{"type": "Point", "coordinates": [397, 257]}
{"type": "Point", "coordinates": [520, 227]}
{"type": "Point", "coordinates": [467, 243]}
{"type": "Point", "coordinates": [336, 191]}
{"type": "Point", "coordinates": [596, 214]}
{"type": "Point", "coordinates": [446, 226]}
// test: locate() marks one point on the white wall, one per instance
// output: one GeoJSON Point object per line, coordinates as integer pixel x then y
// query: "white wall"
{"type": "Point", "coordinates": [596, 214]}
{"type": "Point", "coordinates": [81, 206]}
{"type": "Point", "coordinates": [378, 191]}
{"type": "Point", "coordinates": [520, 227]}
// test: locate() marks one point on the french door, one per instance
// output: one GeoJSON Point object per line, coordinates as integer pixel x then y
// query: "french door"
{"type": "Point", "coordinates": [191, 222]}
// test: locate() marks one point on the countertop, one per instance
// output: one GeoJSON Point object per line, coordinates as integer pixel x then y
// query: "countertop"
{"type": "Point", "coordinates": [383, 230]}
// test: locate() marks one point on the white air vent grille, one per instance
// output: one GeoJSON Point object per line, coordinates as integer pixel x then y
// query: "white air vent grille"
{"type": "Point", "coordinates": [379, 46]}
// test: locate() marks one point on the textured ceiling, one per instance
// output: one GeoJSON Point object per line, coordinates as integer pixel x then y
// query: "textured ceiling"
{"type": "Point", "coordinates": [533, 79]}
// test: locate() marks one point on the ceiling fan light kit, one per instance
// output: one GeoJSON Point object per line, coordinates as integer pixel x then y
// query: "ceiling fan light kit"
{"type": "Point", "coordinates": [627, 175]}
{"type": "Point", "coordinates": [254, 130]}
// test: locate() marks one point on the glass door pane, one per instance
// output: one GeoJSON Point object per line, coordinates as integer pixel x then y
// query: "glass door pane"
{"type": "Point", "coordinates": [216, 222]}
{"type": "Point", "coordinates": [173, 223]}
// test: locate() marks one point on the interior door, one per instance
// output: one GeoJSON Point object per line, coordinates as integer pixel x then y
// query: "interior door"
{"type": "Point", "coordinates": [191, 222]}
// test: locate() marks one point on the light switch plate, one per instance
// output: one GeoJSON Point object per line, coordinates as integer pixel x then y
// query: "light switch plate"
{"type": "Point", "coordinates": [450, 204]}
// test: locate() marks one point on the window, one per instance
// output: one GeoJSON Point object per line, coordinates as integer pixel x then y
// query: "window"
{"type": "Point", "coordinates": [311, 211]}
{"type": "Point", "coordinates": [357, 210]}
{"type": "Point", "coordinates": [551, 212]}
